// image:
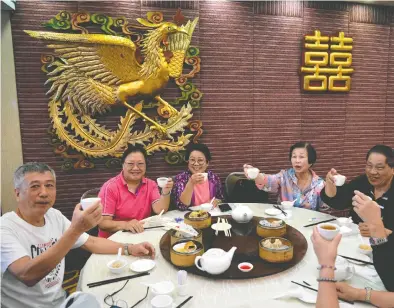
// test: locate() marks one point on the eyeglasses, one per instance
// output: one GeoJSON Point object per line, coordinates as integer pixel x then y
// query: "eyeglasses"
{"type": "Point", "coordinates": [197, 162]}
{"type": "Point", "coordinates": [110, 296]}
{"type": "Point", "coordinates": [132, 165]}
{"type": "Point", "coordinates": [377, 168]}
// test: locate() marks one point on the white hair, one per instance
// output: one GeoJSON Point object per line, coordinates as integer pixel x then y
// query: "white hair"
{"type": "Point", "coordinates": [19, 174]}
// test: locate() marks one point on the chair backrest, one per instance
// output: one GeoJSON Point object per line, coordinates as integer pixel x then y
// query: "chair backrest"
{"type": "Point", "coordinates": [238, 189]}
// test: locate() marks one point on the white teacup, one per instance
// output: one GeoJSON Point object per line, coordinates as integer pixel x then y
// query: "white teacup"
{"type": "Point", "coordinates": [88, 202]}
{"type": "Point", "coordinates": [162, 182]}
{"type": "Point", "coordinates": [327, 230]}
{"type": "Point", "coordinates": [252, 173]}
{"type": "Point", "coordinates": [162, 301]}
{"type": "Point", "coordinates": [206, 206]}
{"type": "Point", "coordinates": [205, 174]}
{"type": "Point", "coordinates": [287, 205]}
{"type": "Point", "coordinates": [339, 179]}
{"type": "Point", "coordinates": [344, 221]}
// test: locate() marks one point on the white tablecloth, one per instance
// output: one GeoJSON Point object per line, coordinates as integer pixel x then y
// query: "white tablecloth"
{"type": "Point", "coordinates": [223, 293]}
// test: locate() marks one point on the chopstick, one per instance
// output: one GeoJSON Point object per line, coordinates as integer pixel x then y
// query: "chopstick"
{"type": "Point", "coordinates": [184, 302]}
{"type": "Point", "coordinates": [108, 281]}
{"type": "Point", "coordinates": [300, 284]}
{"type": "Point", "coordinates": [358, 260]}
{"type": "Point", "coordinates": [320, 222]}
{"type": "Point", "coordinates": [278, 208]}
{"type": "Point", "coordinates": [146, 228]}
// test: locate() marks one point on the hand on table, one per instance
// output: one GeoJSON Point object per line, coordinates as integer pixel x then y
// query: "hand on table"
{"type": "Point", "coordinates": [142, 249]}
{"type": "Point", "coordinates": [349, 293]}
{"type": "Point", "coordinates": [135, 226]}
{"type": "Point", "coordinates": [326, 251]}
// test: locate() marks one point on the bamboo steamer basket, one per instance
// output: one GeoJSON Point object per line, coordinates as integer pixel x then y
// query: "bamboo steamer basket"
{"type": "Point", "coordinates": [185, 259]}
{"type": "Point", "coordinates": [176, 237]}
{"type": "Point", "coordinates": [276, 255]}
{"type": "Point", "coordinates": [265, 231]}
{"type": "Point", "coordinates": [199, 222]}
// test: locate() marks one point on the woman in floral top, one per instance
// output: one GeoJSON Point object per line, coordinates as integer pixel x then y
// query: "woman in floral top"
{"type": "Point", "coordinates": [299, 183]}
{"type": "Point", "coordinates": [192, 187]}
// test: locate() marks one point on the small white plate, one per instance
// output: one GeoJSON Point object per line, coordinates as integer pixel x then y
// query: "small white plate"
{"type": "Point", "coordinates": [272, 212]}
{"type": "Point", "coordinates": [221, 226]}
{"type": "Point", "coordinates": [142, 265]}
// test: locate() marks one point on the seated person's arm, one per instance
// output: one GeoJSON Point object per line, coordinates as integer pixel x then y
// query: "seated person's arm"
{"type": "Point", "coordinates": [108, 224]}
{"type": "Point", "coordinates": [105, 246]}
{"type": "Point", "coordinates": [163, 200]}
{"type": "Point", "coordinates": [30, 271]}
{"type": "Point", "coordinates": [378, 298]}
{"type": "Point", "coordinates": [338, 197]}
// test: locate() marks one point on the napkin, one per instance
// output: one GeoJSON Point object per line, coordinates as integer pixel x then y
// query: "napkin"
{"type": "Point", "coordinates": [301, 293]}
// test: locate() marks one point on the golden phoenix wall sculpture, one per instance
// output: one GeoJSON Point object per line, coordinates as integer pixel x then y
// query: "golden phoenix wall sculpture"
{"type": "Point", "coordinates": [128, 65]}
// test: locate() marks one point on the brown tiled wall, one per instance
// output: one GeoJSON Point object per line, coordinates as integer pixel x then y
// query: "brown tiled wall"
{"type": "Point", "coordinates": [253, 108]}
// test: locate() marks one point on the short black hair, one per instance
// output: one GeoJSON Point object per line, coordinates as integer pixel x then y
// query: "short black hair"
{"type": "Point", "coordinates": [384, 150]}
{"type": "Point", "coordinates": [312, 156]}
{"type": "Point", "coordinates": [134, 149]}
{"type": "Point", "coordinates": [198, 147]}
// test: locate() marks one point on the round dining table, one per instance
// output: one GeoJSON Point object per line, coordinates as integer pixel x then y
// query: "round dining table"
{"type": "Point", "coordinates": [229, 293]}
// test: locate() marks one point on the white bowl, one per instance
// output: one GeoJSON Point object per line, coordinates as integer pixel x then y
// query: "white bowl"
{"type": "Point", "coordinates": [88, 202]}
{"type": "Point", "coordinates": [162, 301]}
{"type": "Point", "coordinates": [344, 221]}
{"type": "Point", "coordinates": [363, 251]}
{"type": "Point", "coordinates": [142, 265]}
{"type": "Point", "coordinates": [206, 206]}
{"type": "Point", "coordinates": [240, 265]}
{"type": "Point", "coordinates": [252, 173]}
{"type": "Point", "coordinates": [162, 182]}
{"type": "Point", "coordinates": [163, 288]}
{"type": "Point", "coordinates": [287, 205]}
{"type": "Point", "coordinates": [117, 270]}
{"type": "Point", "coordinates": [339, 179]}
{"type": "Point", "coordinates": [328, 234]}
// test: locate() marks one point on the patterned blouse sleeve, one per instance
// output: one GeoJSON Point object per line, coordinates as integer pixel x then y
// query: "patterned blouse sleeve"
{"type": "Point", "coordinates": [218, 187]}
{"type": "Point", "coordinates": [179, 186]}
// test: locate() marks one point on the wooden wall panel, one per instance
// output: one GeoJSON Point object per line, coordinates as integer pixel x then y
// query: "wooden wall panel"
{"type": "Point", "coordinates": [253, 108]}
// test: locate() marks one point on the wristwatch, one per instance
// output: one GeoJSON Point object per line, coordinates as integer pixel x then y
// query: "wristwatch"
{"type": "Point", "coordinates": [375, 241]}
{"type": "Point", "coordinates": [126, 249]}
{"type": "Point", "coordinates": [368, 294]}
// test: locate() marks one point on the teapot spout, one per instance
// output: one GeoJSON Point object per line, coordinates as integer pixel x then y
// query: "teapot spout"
{"type": "Point", "coordinates": [230, 254]}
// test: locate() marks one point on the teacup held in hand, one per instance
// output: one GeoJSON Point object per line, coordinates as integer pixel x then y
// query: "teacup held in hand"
{"type": "Point", "coordinates": [327, 230]}
{"type": "Point", "coordinates": [252, 173]}
{"type": "Point", "coordinates": [88, 202]}
{"type": "Point", "coordinates": [162, 182]}
{"type": "Point", "coordinates": [339, 179]}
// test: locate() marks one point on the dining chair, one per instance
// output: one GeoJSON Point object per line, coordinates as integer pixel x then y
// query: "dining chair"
{"type": "Point", "coordinates": [238, 188]}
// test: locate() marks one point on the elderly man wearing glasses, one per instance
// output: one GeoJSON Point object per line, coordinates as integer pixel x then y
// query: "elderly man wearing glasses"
{"type": "Point", "coordinates": [130, 196]}
{"type": "Point", "coordinates": [377, 183]}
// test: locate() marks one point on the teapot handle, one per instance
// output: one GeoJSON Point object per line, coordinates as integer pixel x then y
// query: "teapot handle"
{"type": "Point", "coordinates": [196, 263]}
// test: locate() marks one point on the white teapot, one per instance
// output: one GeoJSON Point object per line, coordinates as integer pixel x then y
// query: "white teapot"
{"type": "Point", "coordinates": [344, 271]}
{"type": "Point", "coordinates": [215, 261]}
{"type": "Point", "coordinates": [242, 214]}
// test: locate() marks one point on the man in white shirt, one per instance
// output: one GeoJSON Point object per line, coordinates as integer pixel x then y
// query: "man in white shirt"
{"type": "Point", "coordinates": [35, 239]}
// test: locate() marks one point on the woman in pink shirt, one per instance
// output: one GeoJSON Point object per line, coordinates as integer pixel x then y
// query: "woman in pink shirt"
{"type": "Point", "coordinates": [130, 197]}
{"type": "Point", "coordinates": [197, 185]}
